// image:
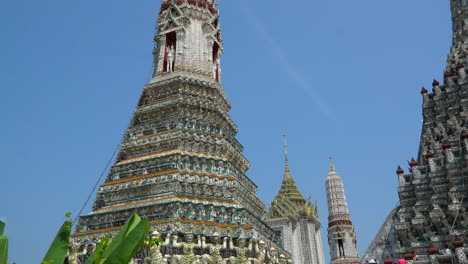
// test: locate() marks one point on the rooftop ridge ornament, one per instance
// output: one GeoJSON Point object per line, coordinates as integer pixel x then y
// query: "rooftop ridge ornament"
{"type": "Point", "coordinates": [332, 166]}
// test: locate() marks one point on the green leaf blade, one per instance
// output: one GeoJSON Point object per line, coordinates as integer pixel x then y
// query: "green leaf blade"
{"type": "Point", "coordinates": [3, 250]}
{"type": "Point", "coordinates": [127, 242]}
{"type": "Point", "coordinates": [130, 245]}
{"type": "Point", "coordinates": [96, 256]}
{"type": "Point", "coordinates": [2, 228]}
{"type": "Point", "coordinates": [59, 248]}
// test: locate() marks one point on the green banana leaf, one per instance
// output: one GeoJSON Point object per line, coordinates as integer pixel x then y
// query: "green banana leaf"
{"type": "Point", "coordinates": [59, 248]}
{"type": "Point", "coordinates": [96, 256]}
{"type": "Point", "coordinates": [3, 245]}
{"type": "Point", "coordinates": [127, 242]}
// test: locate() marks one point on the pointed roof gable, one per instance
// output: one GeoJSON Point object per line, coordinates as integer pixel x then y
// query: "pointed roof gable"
{"type": "Point", "coordinates": [289, 199]}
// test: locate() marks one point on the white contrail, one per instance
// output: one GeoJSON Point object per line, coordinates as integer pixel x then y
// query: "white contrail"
{"type": "Point", "coordinates": [283, 60]}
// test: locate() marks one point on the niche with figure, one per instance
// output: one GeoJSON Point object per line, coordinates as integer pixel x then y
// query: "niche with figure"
{"type": "Point", "coordinates": [216, 61]}
{"type": "Point", "coordinates": [170, 52]}
{"type": "Point", "coordinates": [341, 248]}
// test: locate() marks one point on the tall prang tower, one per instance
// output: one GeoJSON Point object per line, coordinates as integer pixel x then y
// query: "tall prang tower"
{"type": "Point", "coordinates": [341, 235]}
{"type": "Point", "coordinates": [433, 210]}
{"type": "Point", "coordinates": [179, 164]}
{"type": "Point", "coordinates": [296, 220]}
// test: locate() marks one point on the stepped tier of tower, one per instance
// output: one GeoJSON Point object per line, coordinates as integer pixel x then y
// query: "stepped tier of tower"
{"type": "Point", "coordinates": [179, 164]}
{"type": "Point", "coordinates": [433, 196]}
{"type": "Point", "coordinates": [433, 210]}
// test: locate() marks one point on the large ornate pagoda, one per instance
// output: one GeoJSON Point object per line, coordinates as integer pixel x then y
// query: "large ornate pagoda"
{"type": "Point", "coordinates": [341, 235]}
{"type": "Point", "coordinates": [179, 164]}
{"type": "Point", "coordinates": [433, 213]}
{"type": "Point", "coordinates": [296, 220]}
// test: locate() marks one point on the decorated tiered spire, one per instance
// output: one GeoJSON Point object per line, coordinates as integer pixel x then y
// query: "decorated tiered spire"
{"type": "Point", "coordinates": [180, 165]}
{"type": "Point", "coordinates": [296, 220]}
{"type": "Point", "coordinates": [341, 235]}
{"type": "Point", "coordinates": [457, 61]}
{"type": "Point", "coordinates": [433, 208]}
{"type": "Point", "coordinates": [289, 199]}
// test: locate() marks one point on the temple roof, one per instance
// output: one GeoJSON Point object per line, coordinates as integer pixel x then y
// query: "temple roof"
{"type": "Point", "coordinates": [289, 199]}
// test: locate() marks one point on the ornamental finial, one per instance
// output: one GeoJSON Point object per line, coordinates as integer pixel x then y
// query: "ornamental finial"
{"type": "Point", "coordinates": [332, 166]}
{"type": "Point", "coordinates": [285, 147]}
{"type": "Point", "coordinates": [287, 172]}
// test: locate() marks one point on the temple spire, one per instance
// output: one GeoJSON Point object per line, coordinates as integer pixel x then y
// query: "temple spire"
{"type": "Point", "coordinates": [457, 61]}
{"type": "Point", "coordinates": [332, 166]}
{"type": "Point", "coordinates": [289, 199]}
{"type": "Point", "coordinates": [287, 172]}
{"type": "Point", "coordinates": [459, 28]}
{"type": "Point", "coordinates": [341, 235]}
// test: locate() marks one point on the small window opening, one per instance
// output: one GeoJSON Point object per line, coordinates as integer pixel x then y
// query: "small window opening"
{"type": "Point", "coordinates": [215, 58]}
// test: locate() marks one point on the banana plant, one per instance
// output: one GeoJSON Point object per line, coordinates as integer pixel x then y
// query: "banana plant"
{"type": "Point", "coordinates": [3, 245]}
{"type": "Point", "coordinates": [59, 248]}
{"type": "Point", "coordinates": [124, 246]}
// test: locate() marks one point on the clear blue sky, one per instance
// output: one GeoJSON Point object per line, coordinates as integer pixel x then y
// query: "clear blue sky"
{"type": "Point", "coordinates": [340, 77]}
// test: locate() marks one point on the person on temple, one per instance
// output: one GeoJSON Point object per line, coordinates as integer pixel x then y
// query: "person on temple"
{"type": "Point", "coordinates": [447, 250]}
{"type": "Point", "coordinates": [401, 261]}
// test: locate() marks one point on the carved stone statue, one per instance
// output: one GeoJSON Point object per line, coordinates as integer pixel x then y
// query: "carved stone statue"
{"type": "Point", "coordinates": [215, 249]}
{"type": "Point", "coordinates": [241, 251]}
{"type": "Point", "coordinates": [461, 75]}
{"type": "Point", "coordinates": [215, 70]}
{"type": "Point", "coordinates": [155, 257]}
{"type": "Point", "coordinates": [260, 252]}
{"type": "Point", "coordinates": [74, 254]}
{"type": "Point", "coordinates": [170, 58]}
{"type": "Point", "coordinates": [273, 256]}
{"type": "Point", "coordinates": [188, 256]}
{"type": "Point", "coordinates": [282, 259]}
{"type": "Point", "coordinates": [218, 63]}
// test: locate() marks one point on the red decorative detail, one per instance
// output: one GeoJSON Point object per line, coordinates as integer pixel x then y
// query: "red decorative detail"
{"type": "Point", "coordinates": [459, 66]}
{"type": "Point", "coordinates": [423, 91]}
{"type": "Point", "coordinates": [464, 135]}
{"type": "Point", "coordinates": [429, 154]}
{"type": "Point", "coordinates": [408, 256]}
{"type": "Point", "coordinates": [457, 243]}
{"type": "Point", "coordinates": [446, 145]}
{"type": "Point", "coordinates": [212, 10]}
{"type": "Point", "coordinates": [435, 83]}
{"type": "Point", "coordinates": [432, 250]}
{"type": "Point", "coordinates": [413, 163]}
{"type": "Point", "coordinates": [165, 5]}
{"type": "Point", "coordinates": [340, 222]}
{"type": "Point", "coordinates": [388, 260]}
{"type": "Point", "coordinates": [399, 170]}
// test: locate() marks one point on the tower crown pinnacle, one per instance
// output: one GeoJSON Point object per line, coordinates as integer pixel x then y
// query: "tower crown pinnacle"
{"type": "Point", "coordinates": [287, 172]}
{"type": "Point", "coordinates": [188, 41]}
{"type": "Point", "coordinates": [332, 166]}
